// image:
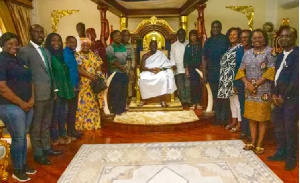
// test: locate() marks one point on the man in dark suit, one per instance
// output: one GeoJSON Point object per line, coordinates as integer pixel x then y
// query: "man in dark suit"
{"type": "Point", "coordinates": [39, 61]}
{"type": "Point", "coordinates": [285, 95]}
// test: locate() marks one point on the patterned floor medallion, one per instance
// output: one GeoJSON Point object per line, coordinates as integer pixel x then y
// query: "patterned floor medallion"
{"type": "Point", "coordinates": [156, 118]}
{"type": "Point", "coordinates": [179, 162]}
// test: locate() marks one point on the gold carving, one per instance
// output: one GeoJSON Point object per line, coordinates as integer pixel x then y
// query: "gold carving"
{"type": "Point", "coordinates": [183, 22]}
{"type": "Point", "coordinates": [56, 15]}
{"type": "Point", "coordinates": [153, 20]}
{"type": "Point", "coordinates": [153, 36]}
{"type": "Point", "coordinates": [286, 22]}
{"type": "Point", "coordinates": [247, 10]}
{"type": "Point", "coordinates": [4, 160]}
{"type": "Point", "coordinates": [123, 23]}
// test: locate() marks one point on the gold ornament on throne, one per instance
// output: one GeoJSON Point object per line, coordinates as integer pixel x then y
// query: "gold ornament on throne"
{"type": "Point", "coordinates": [158, 37]}
{"type": "Point", "coordinates": [246, 10]}
{"type": "Point", "coordinates": [56, 15]}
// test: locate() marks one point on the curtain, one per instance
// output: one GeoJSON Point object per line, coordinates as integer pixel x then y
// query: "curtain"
{"type": "Point", "coordinates": [21, 20]}
{"type": "Point", "coordinates": [6, 23]}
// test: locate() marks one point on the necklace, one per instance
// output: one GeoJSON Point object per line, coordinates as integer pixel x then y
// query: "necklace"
{"type": "Point", "coordinates": [260, 51]}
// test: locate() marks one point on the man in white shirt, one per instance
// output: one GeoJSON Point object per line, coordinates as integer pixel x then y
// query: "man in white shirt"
{"type": "Point", "coordinates": [176, 57]}
{"type": "Point", "coordinates": [80, 28]}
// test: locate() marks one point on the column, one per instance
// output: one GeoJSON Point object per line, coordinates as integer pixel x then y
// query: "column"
{"type": "Point", "coordinates": [123, 23]}
{"type": "Point", "coordinates": [200, 23]}
{"type": "Point", "coordinates": [104, 24]}
{"type": "Point", "coordinates": [183, 22]}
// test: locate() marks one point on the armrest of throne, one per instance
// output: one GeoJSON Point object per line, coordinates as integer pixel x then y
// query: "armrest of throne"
{"type": "Point", "coordinates": [4, 155]}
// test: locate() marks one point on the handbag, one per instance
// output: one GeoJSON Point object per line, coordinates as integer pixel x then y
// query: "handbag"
{"type": "Point", "coordinates": [98, 85]}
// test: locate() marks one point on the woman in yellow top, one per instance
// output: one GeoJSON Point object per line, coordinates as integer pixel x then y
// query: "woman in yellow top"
{"type": "Point", "coordinates": [89, 104]}
{"type": "Point", "coordinates": [257, 71]}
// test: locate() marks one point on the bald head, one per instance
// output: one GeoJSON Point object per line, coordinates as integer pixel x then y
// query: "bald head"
{"type": "Point", "coordinates": [36, 34]}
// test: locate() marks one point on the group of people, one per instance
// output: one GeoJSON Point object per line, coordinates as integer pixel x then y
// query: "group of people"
{"type": "Point", "coordinates": [43, 87]}
{"type": "Point", "coordinates": [245, 76]}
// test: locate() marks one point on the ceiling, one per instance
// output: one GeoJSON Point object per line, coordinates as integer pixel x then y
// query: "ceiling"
{"type": "Point", "coordinates": [151, 4]}
{"type": "Point", "coordinates": [143, 8]}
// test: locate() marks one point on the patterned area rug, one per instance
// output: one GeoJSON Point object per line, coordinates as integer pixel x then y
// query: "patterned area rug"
{"type": "Point", "coordinates": [180, 162]}
{"type": "Point", "coordinates": [156, 118]}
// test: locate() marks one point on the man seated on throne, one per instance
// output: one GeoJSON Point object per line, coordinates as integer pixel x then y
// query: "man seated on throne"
{"type": "Point", "coordinates": [157, 77]}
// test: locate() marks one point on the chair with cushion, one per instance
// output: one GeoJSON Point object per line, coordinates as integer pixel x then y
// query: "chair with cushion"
{"type": "Point", "coordinates": [4, 155]}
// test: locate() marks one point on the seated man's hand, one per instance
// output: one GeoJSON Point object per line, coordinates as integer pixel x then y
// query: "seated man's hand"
{"type": "Point", "coordinates": [174, 68]}
{"type": "Point", "coordinates": [156, 70]}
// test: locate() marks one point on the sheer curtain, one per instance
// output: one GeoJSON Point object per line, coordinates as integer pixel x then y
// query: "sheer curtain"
{"type": "Point", "coordinates": [21, 19]}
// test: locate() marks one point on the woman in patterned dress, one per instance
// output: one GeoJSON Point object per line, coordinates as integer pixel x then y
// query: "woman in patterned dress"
{"type": "Point", "coordinates": [226, 92]}
{"type": "Point", "coordinates": [257, 71]}
{"type": "Point", "coordinates": [89, 66]}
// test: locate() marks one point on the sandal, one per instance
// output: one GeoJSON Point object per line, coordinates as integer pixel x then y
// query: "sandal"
{"type": "Point", "coordinates": [259, 150]}
{"type": "Point", "coordinates": [193, 107]}
{"type": "Point", "coordinates": [249, 147]}
{"type": "Point", "coordinates": [229, 127]}
{"type": "Point", "coordinates": [163, 104]}
{"type": "Point", "coordinates": [234, 129]}
{"type": "Point", "coordinates": [198, 106]}
{"type": "Point", "coordinates": [142, 103]}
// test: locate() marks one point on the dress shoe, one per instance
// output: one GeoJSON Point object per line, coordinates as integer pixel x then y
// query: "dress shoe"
{"type": "Point", "coordinates": [277, 157]}
{"type": "Point", "coordinates": [290, 164]}
{"type": "Point", "coordinates": [75, 134]}
{"type": "Point", "coordinates": [42, 160]}
{"type": "Point", "coordinates": [52, 152]}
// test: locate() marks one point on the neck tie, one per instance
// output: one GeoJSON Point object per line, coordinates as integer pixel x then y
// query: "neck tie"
{"type": "Point", "coordinates": [47, 64]}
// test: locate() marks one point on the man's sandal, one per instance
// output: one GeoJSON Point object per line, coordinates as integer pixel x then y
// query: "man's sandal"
{"type": "Point", "coordinates": [259, 150]}
{"type": "Point", "coordinates": [163, 104]}
{"type": "Point", "coordinates": [249, 147]}
{"type": "Point", "coordinates": [141, 104]}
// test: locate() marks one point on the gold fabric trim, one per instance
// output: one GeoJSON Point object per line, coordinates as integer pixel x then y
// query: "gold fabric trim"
{"type": "Point", "coordinates": [240, 74]}
{"type": "Point", "coordinates": [257, 111]}
{"type": "Point", "coordinates": [269, 74]}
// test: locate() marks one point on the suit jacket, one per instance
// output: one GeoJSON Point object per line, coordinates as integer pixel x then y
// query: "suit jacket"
{"type": "Point", "coordinates": [43, 88]}
{"type": "Point", "coordinates": [288, 80]}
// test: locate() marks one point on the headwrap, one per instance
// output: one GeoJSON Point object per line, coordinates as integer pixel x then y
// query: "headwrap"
{"type": "Point", "coordinates": [85, 40]}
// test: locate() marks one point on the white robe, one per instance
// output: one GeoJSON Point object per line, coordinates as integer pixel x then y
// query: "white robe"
{"type": "Point", "coordinates": [153, 85]}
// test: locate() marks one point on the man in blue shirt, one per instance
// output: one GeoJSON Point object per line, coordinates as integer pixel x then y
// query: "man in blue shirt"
{"type": "Point", "coordinates": [213, 49]}
{"type": "Point", "coordinates": [69, 58]}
